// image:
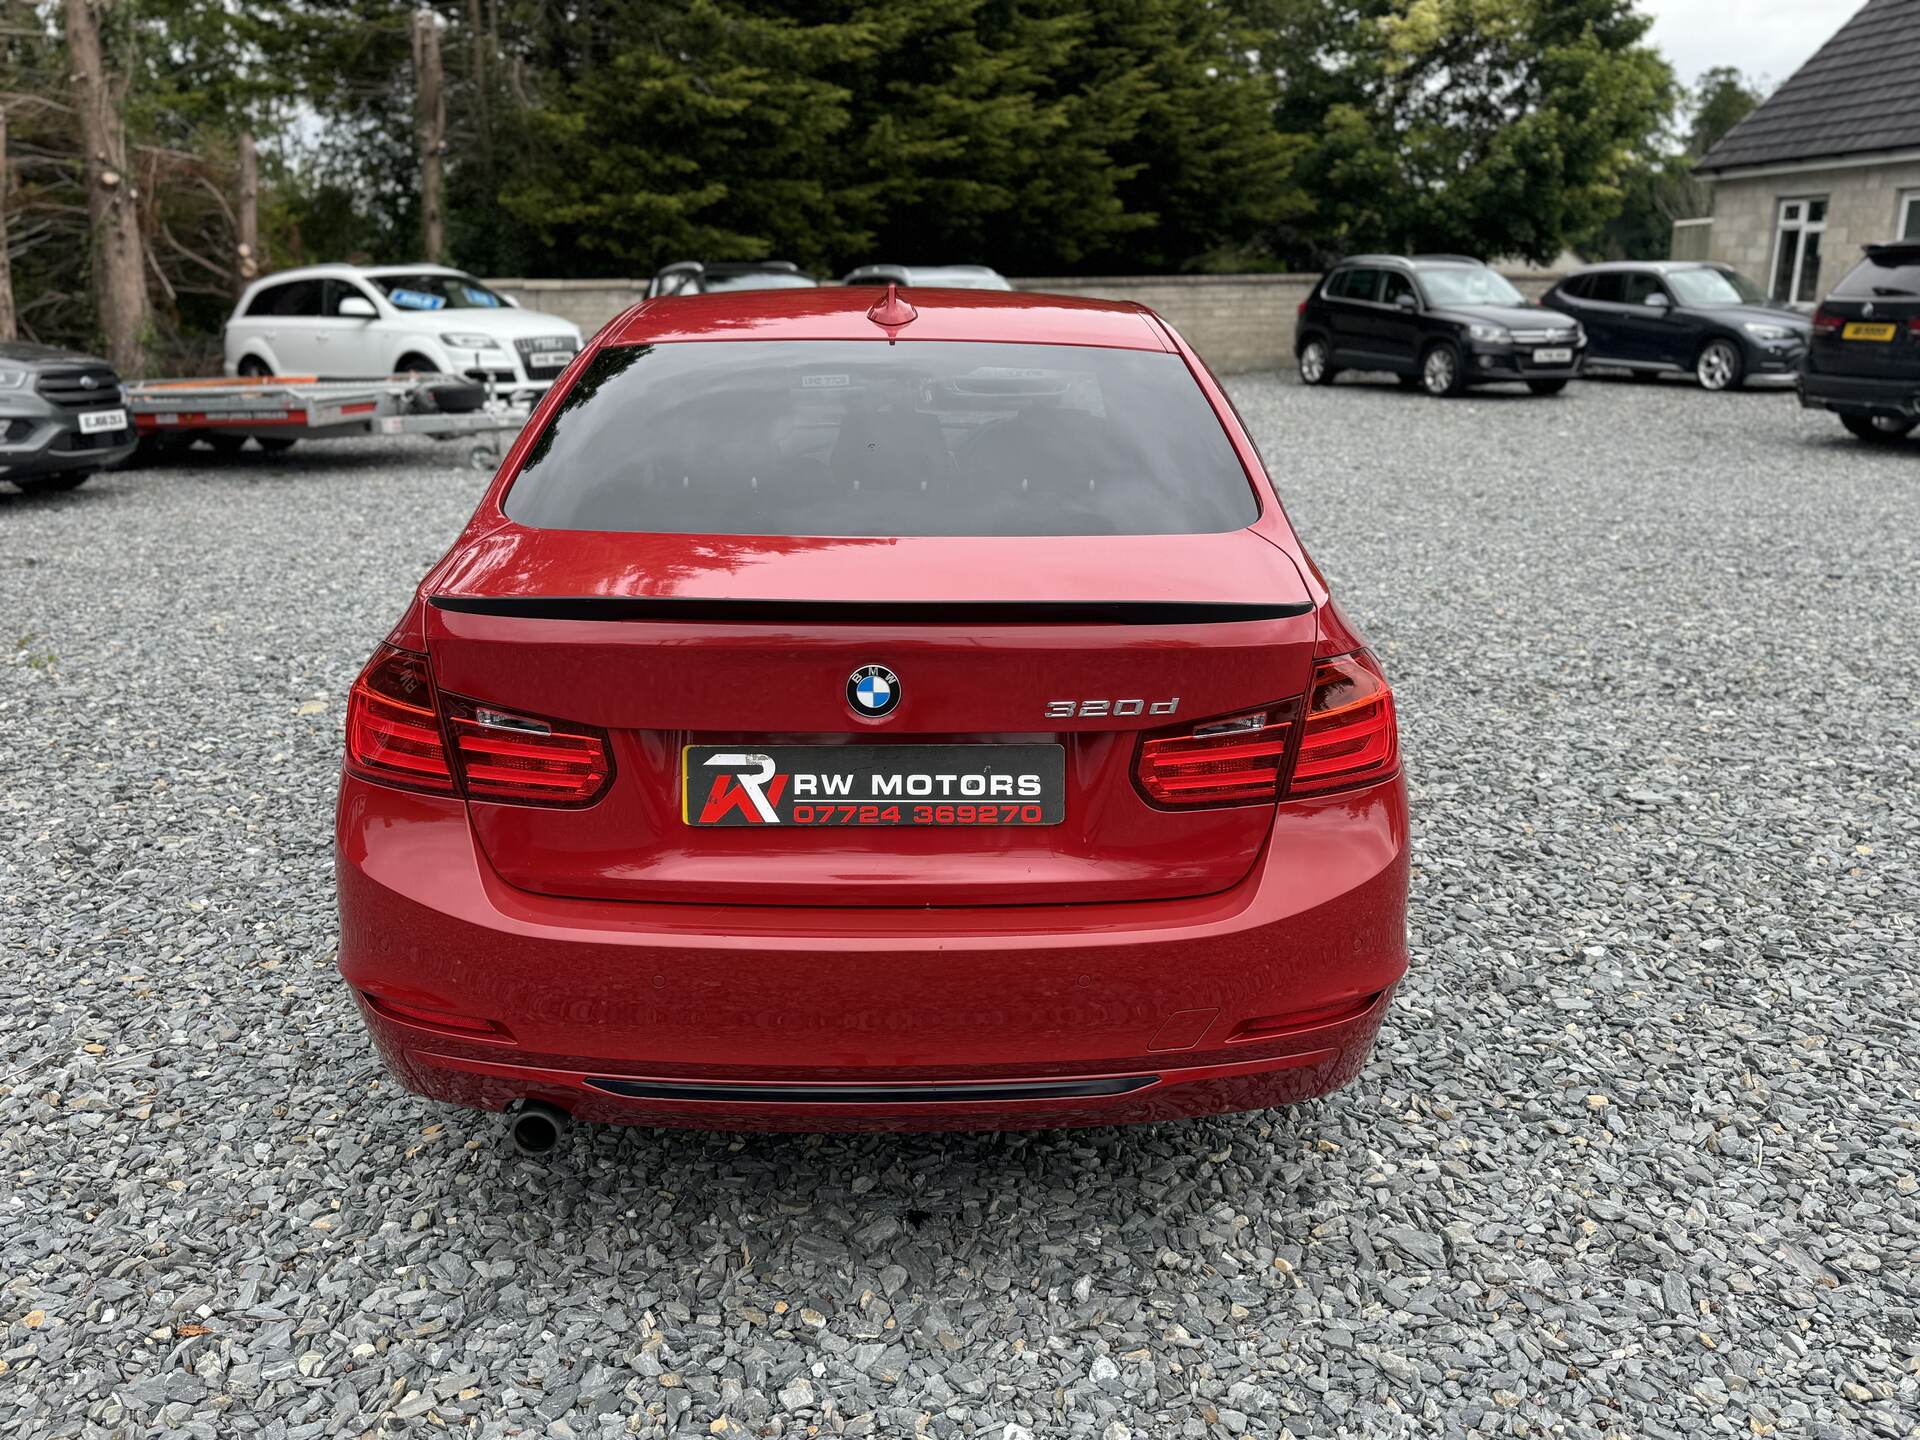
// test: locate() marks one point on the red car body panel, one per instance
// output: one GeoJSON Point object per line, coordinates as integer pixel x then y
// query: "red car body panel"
{"type": "Point", "coordinates": [1132, 962]}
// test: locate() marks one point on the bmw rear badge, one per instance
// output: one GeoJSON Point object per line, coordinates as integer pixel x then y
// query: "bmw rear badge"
{"type": "Point", "coordinates": [873, 690]}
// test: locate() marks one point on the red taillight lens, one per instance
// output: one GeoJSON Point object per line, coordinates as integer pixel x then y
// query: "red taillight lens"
{"type": "Point", "coordinates": [1825, 322]}
{"type": "Point", "coordinates": [393, 734]}
{"type": "Point", "coordinates": [525, 760]}
{"type": "Point", "coordinates": [1231, 761]}
{"type": "Point", "coordinates": [1350, 736]}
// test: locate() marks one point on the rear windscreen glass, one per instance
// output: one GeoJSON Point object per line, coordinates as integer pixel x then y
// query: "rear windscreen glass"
{"type": "Point", "coordinates": [1882, 277]}
{"type": "Point", "coordinates": [835, 437]}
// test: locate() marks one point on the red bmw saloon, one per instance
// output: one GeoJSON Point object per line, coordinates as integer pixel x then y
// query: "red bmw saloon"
{"type": "Point", "coordinates": [914, 714]}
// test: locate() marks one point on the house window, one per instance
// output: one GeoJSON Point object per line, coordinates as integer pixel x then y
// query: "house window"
{"type": "Point", "coordinates": [1796, 250]}
{"type": "Point", "coordinates": [1910, 215]}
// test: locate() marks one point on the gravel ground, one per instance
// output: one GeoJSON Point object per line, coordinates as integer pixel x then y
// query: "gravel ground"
{"type": "Point", "coordinates": [1636, 1156]}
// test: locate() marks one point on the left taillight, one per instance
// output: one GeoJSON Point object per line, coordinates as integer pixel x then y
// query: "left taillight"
{"type": "Point", "coordinates": [525, 760]}
{"type": "Point", "coordinates": [393, 729]}
{"type": "Point", "coordinates": [398, 730]}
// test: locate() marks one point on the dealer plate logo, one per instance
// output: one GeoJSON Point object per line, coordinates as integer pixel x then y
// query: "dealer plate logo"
{"type": "Point", "coordinates": [873, 690]}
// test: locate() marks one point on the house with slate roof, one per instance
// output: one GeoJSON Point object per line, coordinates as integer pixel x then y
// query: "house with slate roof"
{"type": "Point", "coordinates": [1828, 163]}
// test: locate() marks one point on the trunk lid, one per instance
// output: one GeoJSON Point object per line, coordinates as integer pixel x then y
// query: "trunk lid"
{"type": "Point", "coordinates": [1876, 305]}
{"type": "Point", "coordinates": [987, 637]}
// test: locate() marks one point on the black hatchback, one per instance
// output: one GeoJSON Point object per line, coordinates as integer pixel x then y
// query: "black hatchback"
{"type": "Point", "coordinates": [1677, 317]}
{"type": "Point", "coordinates": [1443, 322]}
{"type": "Point", "coordinates": [1864, 361]}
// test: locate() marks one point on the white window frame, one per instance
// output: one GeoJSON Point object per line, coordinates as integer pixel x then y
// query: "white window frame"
{"type": "Point", "coordinates": [1796, 237]}
{"type": "Point", "coordinates": [1909, 204]}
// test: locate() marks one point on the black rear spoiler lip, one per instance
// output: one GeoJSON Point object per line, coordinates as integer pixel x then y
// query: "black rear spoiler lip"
{"type": "Point", "coordinates": [695, 610]}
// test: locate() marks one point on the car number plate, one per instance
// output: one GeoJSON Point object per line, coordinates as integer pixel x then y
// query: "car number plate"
{"type": "Point", "coordinates": [1552, 357]}
{"type": "Point", "coordinates": [92, 422]}
{"type": "Point", "coordinates": [838, 786]}
{"type": "Point", "coordinates": [1860, 330]}
{"type": "Point", "coordinates": [545, 358]}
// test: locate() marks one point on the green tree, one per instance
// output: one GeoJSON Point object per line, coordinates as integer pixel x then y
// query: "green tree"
{"type": "Point", "coordinates": [1660, 187]}
{"type": "Point", "coordinates": [1492, 127]}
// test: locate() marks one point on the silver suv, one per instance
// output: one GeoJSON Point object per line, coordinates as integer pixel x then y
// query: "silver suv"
{"type": "Point", "coordinates": [62, 417]}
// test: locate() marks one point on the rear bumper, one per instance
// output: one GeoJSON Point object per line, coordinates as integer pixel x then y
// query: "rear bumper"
{"type": "Point", "coordinates": [1859, 394]}
{"type": "Point", "coordinates": [771, 1018]}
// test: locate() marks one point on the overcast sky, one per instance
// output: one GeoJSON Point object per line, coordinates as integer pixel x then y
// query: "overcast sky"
{"type": "Point", "coordinates": [1763, 38]}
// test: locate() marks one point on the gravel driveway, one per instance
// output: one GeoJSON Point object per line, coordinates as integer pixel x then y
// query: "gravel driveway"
{"type": "Point", "coordinates": [1636, 1157]}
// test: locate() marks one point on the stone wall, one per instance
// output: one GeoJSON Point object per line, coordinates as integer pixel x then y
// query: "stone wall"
{"type": "Point", "coordinates": [1236, 322]}
{"type": "Point", "coordinates": [1863, 208]}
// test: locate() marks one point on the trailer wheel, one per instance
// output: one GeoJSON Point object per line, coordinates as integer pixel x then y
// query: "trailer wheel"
{"type": "Point", "coordinates": [481, 457]}
{"type": "Point", "coordinates": [223, 444]}
{"type": "Point", "coordinates": [275, 444]}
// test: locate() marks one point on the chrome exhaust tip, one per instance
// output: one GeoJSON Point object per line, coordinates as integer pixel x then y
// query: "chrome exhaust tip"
{"type": "Point", "coordinates": [536, 1128]}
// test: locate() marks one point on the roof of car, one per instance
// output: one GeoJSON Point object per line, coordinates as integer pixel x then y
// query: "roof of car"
{"type": "Point", "coordinates": [340, 267]}
{"type": "Point", "coordinates": [1853, 97]}
{"type": "Point", "coordinates": [1447, 261]}
{"type": "Point", "coordinates": [926, 274]}
{"type": "Point", "coordinates": [1662, 267]}
{"type": "Point", "coordinates": [838, 313]}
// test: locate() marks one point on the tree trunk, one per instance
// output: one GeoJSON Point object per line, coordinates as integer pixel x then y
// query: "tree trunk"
{"type": "Point", "coordinates": [431, 126]}
{"type": "Point", "coordinates": [119, 256]}
{"type": "Point", "coordinates": [246, 267]}
{"type": "Point", "coordinates": [9, 323]}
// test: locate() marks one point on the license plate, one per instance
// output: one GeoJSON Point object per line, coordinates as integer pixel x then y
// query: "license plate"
{"type": "Point", "coordinates": [556, 359]}
{"type": "Point", "coordinates": [92, 422]}
{"type": "Point", "coordinates": [1861, 330]}
{"type": "Point", "coordinates": [1552, 357]}
{"type": "Point", "coordinates": [841, 786]}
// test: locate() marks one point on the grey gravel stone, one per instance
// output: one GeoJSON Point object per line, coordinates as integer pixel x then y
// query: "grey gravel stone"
{"type": "Point", "coordinates": [1655, 655]}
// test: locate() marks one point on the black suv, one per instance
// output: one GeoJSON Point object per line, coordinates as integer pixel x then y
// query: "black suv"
{"type": "Point", "coordinates": [1863, 363]}
{"type": "Point", "coordinates": [62, 417]}
{"type": "Point", "coordinates": [1439, 321]}
{"type": "Point", "coordinates": [698, 277]}
{"type": "Point", "coordinates": [1675, 316]}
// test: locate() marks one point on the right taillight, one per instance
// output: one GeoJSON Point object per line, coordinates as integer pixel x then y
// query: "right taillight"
{"type": "Point", "coordinates": [1825, 322]}
{"type": "Point", "coordinates": [1232, 760]}
{"type": "Point", "coordinates": [393, 731]}
{"type": "Point", "coordinates": [1347, 737]}
{"type": "Point", "coordinates": [1350, 736]}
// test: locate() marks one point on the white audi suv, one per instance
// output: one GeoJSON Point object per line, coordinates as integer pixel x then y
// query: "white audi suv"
{"type": "Point", "coordinates": [354, 322]}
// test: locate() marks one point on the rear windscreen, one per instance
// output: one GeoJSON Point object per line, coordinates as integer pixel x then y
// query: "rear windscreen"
{"type": "Point", "coordinates": [1887, 277]}
{"type": "Point", "coordinates": [836, 437]}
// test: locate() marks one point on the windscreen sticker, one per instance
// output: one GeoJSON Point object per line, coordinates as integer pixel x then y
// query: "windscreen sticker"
{"type": "Point", "coordinates": [416, 300]}
{"type": "Point", "coordinates": [483, 299]}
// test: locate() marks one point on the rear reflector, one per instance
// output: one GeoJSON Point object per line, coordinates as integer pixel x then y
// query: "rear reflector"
{"type": "Point", "coordinates": [525, 760]}
{"type": "Point", "coordinates": [1234, 760]}
{"type": "Point", "coordinates": [393, 734]}
{"type": "Point", "coordinates": [459, 1024]}
{"type": "Point", "coordinates": [1351, 737]}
